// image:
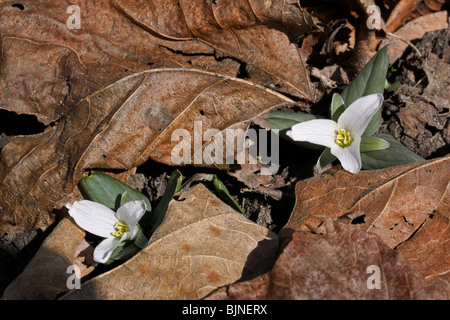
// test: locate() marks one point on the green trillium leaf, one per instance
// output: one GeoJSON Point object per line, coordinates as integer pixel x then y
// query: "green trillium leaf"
{"type": "Point", "coordinates": [373, 143]}
{"type": "Point", "coordinates": [396, 154]}
{"type": "Point", "coordinates": [225, 195]}
{"type": "Point", "coordinates": [102, 188]}
{"type": "Point", "coordinates": [124, 251]}
{"type": "Point", "coordinates": [153, 221]}
{"type": "Point", "coordinates": [325, 158]}
{"type": "Point", "coordinates": [141, 240]}
{"type": "Point", "coordinates": [370, 80]}
{"type": "Point", "coordinates": [124, 198]}
{"type": "Point", "coordinates": [337, 106]}
{"type": "Point", "coordinates": [284, 120]}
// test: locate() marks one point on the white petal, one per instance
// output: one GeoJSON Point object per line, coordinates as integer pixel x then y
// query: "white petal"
{"type": "Point", "coordinates": [318, 131]}
{"type": "Point", "coordinates": [105, 248]}
{"type": "Point", "coordinates": [358, 115]}
{"type": "Point", "coordinates": [93, 217]}
{"type": "Point", "coordinates": [350, 157]}
{"type": "Point", "coordinates": [131, 212]}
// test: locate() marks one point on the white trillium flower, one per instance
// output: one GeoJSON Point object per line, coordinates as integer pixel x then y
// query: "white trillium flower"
{"type": "Point", "coordinates": [344, 136]}
{"type": "Point", "coordinates": [100, 220]}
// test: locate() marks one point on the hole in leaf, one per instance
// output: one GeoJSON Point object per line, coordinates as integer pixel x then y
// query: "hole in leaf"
{"type": "Point", "coordinates": [359, 220]}
{"type": "Point", "coordinates": [13, 124]}
{"type": "Point", "coordinates": [178, 198]}
{"type": "Point", "coordinates": [242, 73]}
{"type": "Point", "coordinates": [18, 5]}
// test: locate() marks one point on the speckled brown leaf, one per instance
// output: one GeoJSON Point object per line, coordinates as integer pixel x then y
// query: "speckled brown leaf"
{"type": "Point", "coordinates": [120, 127]}
{"type": "Point", "coordinates": [407, 206]}
{"type": "Point", "coordinates": [333, 263]}
{"type": "Point", "coordinates": [46, 275]}
{"type": "Point", "coordinates": [47, 68]}
{"type": "Point", "coordinates": [202, 244]}
{"type": "Point", "coordinates": [64, 76]}
{"type": "Point", "coordinates": [249, 30]}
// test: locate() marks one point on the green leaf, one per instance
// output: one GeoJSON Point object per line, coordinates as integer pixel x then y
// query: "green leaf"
{"type": "Point", "coordinates": [224, 194]}
{"type": "Point", "coordinates": [396, 154]}
{"type": "Point", "coordinates": [370, 80]}
{"type": "Point", "coordinates": [337, 107]}
{"type": "Point", "coordinates": [141, 240]}
{"type": "Point", "coordinates": [393, 86]}
{"type": "Point", "coordinates": [101, 187]}
{"type": "Point", "coordinates": [284, 120]}
{"type": "Point", "coordinates": [373, 143]}
{"type": "Point", "coordinates": [124, 198]}
{"type": "Point", "coordinates": [124, 251]}
{"type": "Point", "coordinates": [325, 158]}
{"type": "Point", "coordinates": [152, 222]}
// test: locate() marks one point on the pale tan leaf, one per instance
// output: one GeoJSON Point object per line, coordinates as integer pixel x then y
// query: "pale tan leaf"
{"type": "Point", "coordinates": [45, 276]}
{"type": "Point", "coordinates": [202, 244]}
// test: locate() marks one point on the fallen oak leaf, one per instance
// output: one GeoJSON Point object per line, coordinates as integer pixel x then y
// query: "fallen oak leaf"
{"type": "Point", "coordinates": [120, 127]}
{"type": "Point", "coordinates": [48, 67]}
{"type": "Point", "coordinates": [427, 250]}
{"type": "Point", "coordinates": [395, 203]}
{"type": "Point", "coordinates": [252, 31]}
{"type": "Point", "coordinates": [201, 244]}
{"type": "Point", "coordinates": [337, 262]}
{"type": "Point", "coordinates": [45, 276]}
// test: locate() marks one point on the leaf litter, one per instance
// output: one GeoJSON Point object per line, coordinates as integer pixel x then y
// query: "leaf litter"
{"type": "Point", "coordinates": [121, 65]}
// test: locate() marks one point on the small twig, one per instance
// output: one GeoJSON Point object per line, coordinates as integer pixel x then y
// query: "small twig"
{"type": "Point", "coordinates": [195, 178]}
{"type": "Point", "coordinates": [405, 41]}
{"type": "Point", "coordinates": [418, 82]}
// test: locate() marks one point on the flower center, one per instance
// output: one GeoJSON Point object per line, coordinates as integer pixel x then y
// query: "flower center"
{"type": "Point", "coordinates": [121, 228]}
{"type": "Point", "coordinates": [343, 138]}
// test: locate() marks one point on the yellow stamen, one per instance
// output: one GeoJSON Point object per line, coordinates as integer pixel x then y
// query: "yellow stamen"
{"type": "Point", "coordinates": [121, 228]}
{"type": "Point", "coordinates": [343, 138]}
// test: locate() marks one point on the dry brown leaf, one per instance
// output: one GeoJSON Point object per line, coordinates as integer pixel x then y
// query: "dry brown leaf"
{"type": "Point", "coordinates": [398, 204]}
{"type": "Point", "coordinates": [239, 29]}
{"type": "Point", "coordinates": [46, 275]}
{"type": "Point", "coordinates": [337, 262]}
{"type": "Point", "coordinates": [47, 68]}
{"type": "Point", "coordinates": [202, 244]}
{"type": "Point", "coordinates": [414, 29]}
{"type": "Point", "coordinates": [406, 10]}
{"type": "Point", "coordinates": [120, 127]}
{"type": "Point", "coordinates": [400, 14]}
{"type": "Point", "coordinates": [50, 68]}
